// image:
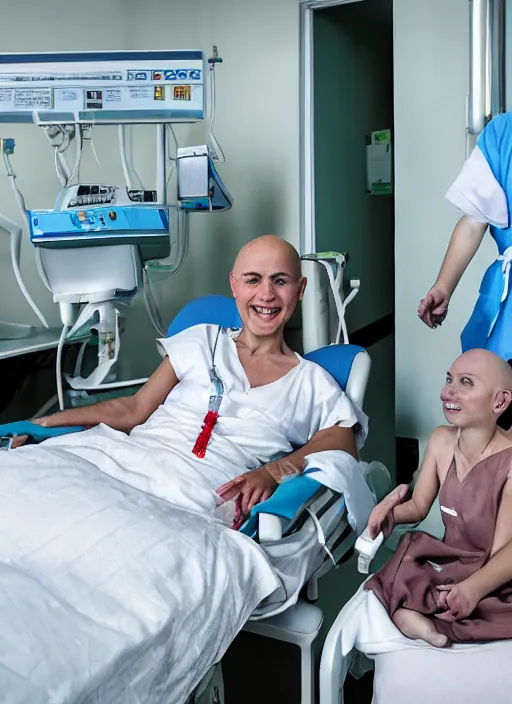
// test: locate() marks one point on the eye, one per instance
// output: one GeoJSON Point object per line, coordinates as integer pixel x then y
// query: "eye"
{"type": "Point", "coordinates": [466, 381]}
{"type": "Point", "coordinates": [280, 281]}
{"type": "Point", "coordinates": [253, 280]}
{"type": "Point", "coordinates": [448, 380]}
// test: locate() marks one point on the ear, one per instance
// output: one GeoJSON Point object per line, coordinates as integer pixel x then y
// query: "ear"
{"type": "Point", "coordinates": [303, 283]}
{"type": "Point", "coordinates": [502, 401]}
{"type": "Point", "coordinates": [233, 284]}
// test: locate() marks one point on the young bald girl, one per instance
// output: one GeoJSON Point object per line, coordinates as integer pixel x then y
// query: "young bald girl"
{"type": "Point", "coordinates": [458, 589]}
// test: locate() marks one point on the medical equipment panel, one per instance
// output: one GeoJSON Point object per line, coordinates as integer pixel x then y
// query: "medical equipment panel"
{"type": "Point", "coordinates": [102, 87]}
{"type": "Point", "coordinates": [137, 228]}
{"type": "Point", "coordinates": [98, 225]}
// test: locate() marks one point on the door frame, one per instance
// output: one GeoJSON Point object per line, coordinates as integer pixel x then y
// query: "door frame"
{"type": "Point", "coordinates": [307, 127]}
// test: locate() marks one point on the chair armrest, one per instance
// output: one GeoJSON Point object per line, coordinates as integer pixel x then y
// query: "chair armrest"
{"type": "Point", "coordinates": [274, 517]}
{"type": "Point", "coordinates": [38, 432]}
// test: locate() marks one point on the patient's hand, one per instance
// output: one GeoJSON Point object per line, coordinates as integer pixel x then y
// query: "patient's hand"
{"type": "Point", "coordinates": [382, 517]}
{"type": "Point", "coordinates": [254, 487]}
{"type": "Point", "coordinates": [18, 441]}
{"type": "Point", "coordinates": [460, 600]}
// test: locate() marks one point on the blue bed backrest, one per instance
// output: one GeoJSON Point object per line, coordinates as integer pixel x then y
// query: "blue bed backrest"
{"type": "Point", "coordinates": [221, 310]}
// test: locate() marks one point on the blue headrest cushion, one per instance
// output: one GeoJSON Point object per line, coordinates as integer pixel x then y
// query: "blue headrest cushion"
{"type": "Point", "coordinates": [208, 310]}
{"type": "Point", "coordinates": [336, 359]}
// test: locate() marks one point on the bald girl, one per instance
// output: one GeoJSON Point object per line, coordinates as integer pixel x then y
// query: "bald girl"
{"type": "Point", "coordinates": [458, 589]}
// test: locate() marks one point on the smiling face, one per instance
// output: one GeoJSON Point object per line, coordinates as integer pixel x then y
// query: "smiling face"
{"type": "Point", "coordinates": [478, 389]}
{"type": "Point", "coordinates": [267, 284]}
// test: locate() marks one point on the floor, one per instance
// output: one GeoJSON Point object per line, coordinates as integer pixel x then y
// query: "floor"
{"type": "Point", "coordinates": [283, 660]}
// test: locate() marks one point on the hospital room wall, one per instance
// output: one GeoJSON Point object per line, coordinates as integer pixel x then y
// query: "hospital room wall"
{"type": "Point", "coordinates": [257, 125]}
{"type": "Point", "coordinates": [431, 83]}
{"type": "Point", "coordinates": [63, 25]}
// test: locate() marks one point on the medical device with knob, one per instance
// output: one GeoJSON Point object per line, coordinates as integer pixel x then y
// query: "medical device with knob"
{"type": "Point", "coordinates": [96, 249]}
{"type": "Point", "coordinates": [334, 263]}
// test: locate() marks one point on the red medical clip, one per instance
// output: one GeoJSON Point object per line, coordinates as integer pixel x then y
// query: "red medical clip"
{"type": "Point", "coordinates": [204, 436]}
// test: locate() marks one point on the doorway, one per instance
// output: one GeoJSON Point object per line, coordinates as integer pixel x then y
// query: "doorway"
{"type": "Point", "coordinates": [347, 94]}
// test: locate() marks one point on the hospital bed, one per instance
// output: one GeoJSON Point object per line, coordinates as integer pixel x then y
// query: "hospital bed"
{"type": "Point", "coordinates": [300, 506]}
{"type": "Point", "coordinates": [404, 670]}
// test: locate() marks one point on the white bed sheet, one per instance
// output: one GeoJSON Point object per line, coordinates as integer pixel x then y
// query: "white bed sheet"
{"type": "Point", "coordinates": [108, 594]}
{"type": "Point", "coordinates": [118, 583]}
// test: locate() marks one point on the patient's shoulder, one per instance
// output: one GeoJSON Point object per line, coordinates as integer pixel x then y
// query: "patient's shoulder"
{"type": "Point", "coordinates": [319, 376]}
{"type": "Point", "coordinates": [442, 438]}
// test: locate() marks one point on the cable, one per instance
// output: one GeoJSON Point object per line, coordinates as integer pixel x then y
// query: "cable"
{"type": "Point", "coordinates": [17, 193]}
{"type": "Point", "coordinates": [78, 154]}
{"type": "Point", "coordinates": [151, 306]}
{"type": "Point", "coordinates": [183, 243]}
{"type": "Point", "coordinates": [79, 359]}
{"type": "Point", "coordinates": [60, 175]}
{"type": "Point", "coordinates": [149, 299]}
{"type": "Point", "coordinates": [132, 159]}
{"type": "Point", "coordinates": [320, 535]}
{"type": "Point", "coordinates": [58, 366]}
{"type": "Point", "coordinates": [173, 159]}
{"type": "Point", "coordinates": [217, 153]}
{"type": "Point", "coordinates": [93, 148]}
{"type": "Point", "coordinates": [15, 258]}
{"type": "Point", "coordinates": [122, 150]}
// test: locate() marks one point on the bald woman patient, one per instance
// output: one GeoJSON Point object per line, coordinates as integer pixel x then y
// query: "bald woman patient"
{"type": "Point", "coordinates": [272, 402]}
{"type": "Point", "coordinates": [458, 589]}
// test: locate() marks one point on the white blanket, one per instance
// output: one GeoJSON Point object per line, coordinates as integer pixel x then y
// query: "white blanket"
{"type": "Point", "coordinates": [368, 629]}
{"type": "Point", "coordinates": [462, 674]}
{"type": "Point", "coordinates": [117, 582]}
{"type": "Point", "coordinates": [108, 594]}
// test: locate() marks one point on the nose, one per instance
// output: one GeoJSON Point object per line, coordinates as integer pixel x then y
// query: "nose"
{"type": "Point", "coordinates": [448, 392]}
{"type": "Point", "coordinates": [267, 290]}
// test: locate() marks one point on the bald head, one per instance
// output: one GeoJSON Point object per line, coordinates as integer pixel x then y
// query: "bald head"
{"type": "Point", "coordinates": [267, 285]}
{"type": "Point", "coordinates": [492, 370]}
{"type": "Point", "coordinates": [272, 249]}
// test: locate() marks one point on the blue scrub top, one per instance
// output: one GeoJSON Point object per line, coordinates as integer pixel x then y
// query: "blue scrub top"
{"type": "Point", "coordinates": [490, 325]}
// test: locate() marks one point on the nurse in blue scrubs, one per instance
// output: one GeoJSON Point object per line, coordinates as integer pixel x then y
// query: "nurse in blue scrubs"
{"type": "Point", "coordinates": [483, 192]}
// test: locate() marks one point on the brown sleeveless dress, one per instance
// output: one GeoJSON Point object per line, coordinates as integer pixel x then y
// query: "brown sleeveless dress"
{"type": "Point", "coordinates": [421, 562]}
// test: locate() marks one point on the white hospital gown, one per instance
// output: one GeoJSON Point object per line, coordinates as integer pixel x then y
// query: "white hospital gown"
{"type": "Point", "coordinates": [254, 424]}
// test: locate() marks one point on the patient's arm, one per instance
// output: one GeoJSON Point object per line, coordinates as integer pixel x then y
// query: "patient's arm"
{"type": "Point", "coordinates": [334, 438]}
{"type": "Point", "coordinates": [121, 413]}
{"type": "Point", "coordinates": [391, 511]}
{"type": "Point", "coordinates": [259, 484]}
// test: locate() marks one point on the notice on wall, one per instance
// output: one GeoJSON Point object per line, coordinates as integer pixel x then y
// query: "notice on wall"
{"type": "Point", "coordinates": [379, 163]}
